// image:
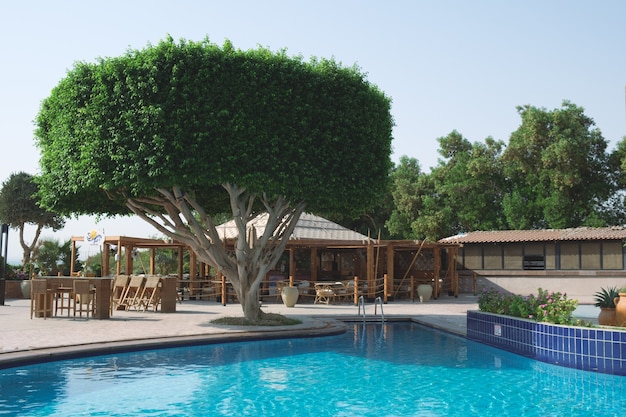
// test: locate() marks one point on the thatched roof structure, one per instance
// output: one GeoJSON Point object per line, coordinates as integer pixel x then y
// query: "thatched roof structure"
{"type": "Point", "coordinates": [309, 227]}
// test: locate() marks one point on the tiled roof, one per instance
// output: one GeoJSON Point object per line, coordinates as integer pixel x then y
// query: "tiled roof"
{"type": "Point", "coordinates": [309, 226]}
{"type": "Point", "coordinates": [502, 236]}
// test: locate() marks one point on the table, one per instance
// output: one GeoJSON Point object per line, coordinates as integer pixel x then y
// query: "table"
{"type": "Point", "coordinates": [168, 294]}
{"type": "Point", "coordinates": [103, 291]}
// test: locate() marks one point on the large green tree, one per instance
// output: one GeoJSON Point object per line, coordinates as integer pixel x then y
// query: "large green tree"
{"type": "Point", "coordinates": [462, 193]}
{"type": "Point", "coordinates": [19, 207]}
{"type": "Point", "coordinates": [183, 130]}
{"type": "Point", "coordinates": [614, 208]}
{"type": "Point", "coordinates": [470, 181]}
{"type": "Point", "coordinates": [409, 186]}
{"type": "Point", "coordinates": [557, 169]}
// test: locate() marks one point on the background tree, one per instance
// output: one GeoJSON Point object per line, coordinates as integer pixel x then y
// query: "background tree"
{"type": "Point", "coordinates": [179, 131]}
{"type": "Point", "coordinates": [19, 206]}
{"type": "Point", "coordinates": [468, 184]}
{"type": "Point", "coordinates": [557, 170]}
{"type": "Point", "coordinates": [615, 207]}
{"type": "Point", "coordinates": [408, 189]}
{"type": "Point", "coordinates": [373, 221]}
{"type": "Point", "coordinates": [554, 173]}
{"type": "Point", "coordinates": [51, 257]}
{"type": "Point", "coordinates": [166, 261]}
{"type": "Point", "coordinates": [463, 193]}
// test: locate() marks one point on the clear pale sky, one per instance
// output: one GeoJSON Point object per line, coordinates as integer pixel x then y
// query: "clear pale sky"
{"type": "Point", "coordinates": [447, 65]}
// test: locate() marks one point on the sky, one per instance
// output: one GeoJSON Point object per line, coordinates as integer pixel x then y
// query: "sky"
{"type": "Point", "coordinates": [446, 64]}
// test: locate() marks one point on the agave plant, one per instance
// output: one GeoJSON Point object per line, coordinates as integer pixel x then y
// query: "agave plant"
{"type": "Point", "coordinates": [605, 297]}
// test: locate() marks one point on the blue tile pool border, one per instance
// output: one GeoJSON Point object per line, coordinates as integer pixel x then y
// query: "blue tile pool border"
{"type": "Point", "coordinates": [598, 349]}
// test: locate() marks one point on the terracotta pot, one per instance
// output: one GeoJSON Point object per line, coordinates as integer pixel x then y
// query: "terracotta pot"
{"type": "Point", "coordinates": [607, 317]}
{"type": "Point", "coordinates": [290, 296]}
{"type": "Point", "coordinates": [620, 309]}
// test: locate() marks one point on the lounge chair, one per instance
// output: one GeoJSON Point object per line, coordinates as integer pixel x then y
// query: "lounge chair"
{"type": "Point", "coordinates": [150, 294]}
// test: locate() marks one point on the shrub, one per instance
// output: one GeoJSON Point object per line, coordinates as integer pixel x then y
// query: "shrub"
{"type": "Point", "coordinates": [493, 301]}
{"type": "Point", "coordinates": [549, 307]}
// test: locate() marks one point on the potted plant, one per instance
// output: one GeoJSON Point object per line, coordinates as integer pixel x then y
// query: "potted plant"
{"type": "Point", "coordinates": [605, 299]}
{"type": "Point", "coordinates": [620, 307]}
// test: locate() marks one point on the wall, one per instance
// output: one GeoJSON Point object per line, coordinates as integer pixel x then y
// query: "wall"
{"type": "Point", "coordinates": [581, 285]}
{"type": "Point", "coordinates": [591, 349]}
{"type": "Point", "coordinates": [12, 289]}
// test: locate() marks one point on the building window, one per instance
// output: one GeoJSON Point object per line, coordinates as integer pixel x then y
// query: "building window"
{"type": "Point", "coordinates": [534, 262]}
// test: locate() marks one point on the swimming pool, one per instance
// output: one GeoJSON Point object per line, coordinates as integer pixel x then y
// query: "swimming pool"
{"type": "Point", "coordinates": [396, 369]}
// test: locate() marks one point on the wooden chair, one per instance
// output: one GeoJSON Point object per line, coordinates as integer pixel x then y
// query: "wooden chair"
{"type": "Point", "coordinates": [118, 289]}
{"type": "Point", "coordinates": [279, 288]}
{"type": "Point", "coordinates": [350, 291]}
{"type": "Point", "coordinates": [84, 298]}
{"type": "Point", "coordinates": [62, 297]}
{"type": "Point", "coordinates": [150, 294]}
{"type": "Point", "coordinates": [340, 290]}
{"type": "Point", "coordinates": [132, 293]}
{"type": "Point", "coordinates": [324, 294]}
{"type": "Point", "coordinates": [303, 287]}
{"type": "Point", "coordinates": [39, 296]}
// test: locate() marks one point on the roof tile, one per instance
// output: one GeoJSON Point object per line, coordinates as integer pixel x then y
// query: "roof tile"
{"type": "Point", "coordinates": [504, 236]}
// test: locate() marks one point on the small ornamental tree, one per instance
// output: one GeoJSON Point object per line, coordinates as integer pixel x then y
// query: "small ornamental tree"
{"type": "Point", "coordinates": [181, 131]}
{"type": "Point", "coordinates": [19, 206]}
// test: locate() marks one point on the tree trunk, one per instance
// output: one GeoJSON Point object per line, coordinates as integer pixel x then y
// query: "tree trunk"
{"type": "Point", "coordinates": [250, 304]}
{"type": "Point", "coordinates": [253, 256]}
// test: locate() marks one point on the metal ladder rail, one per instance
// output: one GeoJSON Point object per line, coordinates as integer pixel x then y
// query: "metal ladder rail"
{"type": "Point", "coordinates": [362, 303]}
{"type": "Point", "coordinates": [378, 300]}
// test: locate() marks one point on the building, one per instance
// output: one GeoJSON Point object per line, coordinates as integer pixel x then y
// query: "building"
{"type": "Point", "coordinates": [578, 261]}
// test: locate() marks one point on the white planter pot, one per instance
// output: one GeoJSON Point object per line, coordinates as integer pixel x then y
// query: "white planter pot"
{"type": "Point", "coordinates": [290, 296]}
{"type": "Point", "coordinates": [25, 287]}
{"type": "Point", "coordinates": [424, 292]}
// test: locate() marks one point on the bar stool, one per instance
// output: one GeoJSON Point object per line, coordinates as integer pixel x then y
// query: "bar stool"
{"type": "Point", "coordinates": [84, 297]}
{"type": "Point", "coordinates": [62, 298]}
{"type": "Point", "coordinates": [39, 295]}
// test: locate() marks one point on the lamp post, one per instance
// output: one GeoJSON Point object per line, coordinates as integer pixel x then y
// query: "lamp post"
{"type": "Point", "coordinates": [4, 243]}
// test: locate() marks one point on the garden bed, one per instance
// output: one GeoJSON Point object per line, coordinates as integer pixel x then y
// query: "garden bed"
{"type": "Point", "coordinates": [590, 349]}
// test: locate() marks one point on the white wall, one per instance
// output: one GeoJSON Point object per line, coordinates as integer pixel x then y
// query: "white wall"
{"type": "Point", "coordinates": [581, 285]}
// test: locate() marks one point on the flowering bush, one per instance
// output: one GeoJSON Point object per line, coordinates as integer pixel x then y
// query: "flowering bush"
{"type": "Point", "coordinates": [15, 274]}
{"type": "Point", "coordinates": [550, 307]}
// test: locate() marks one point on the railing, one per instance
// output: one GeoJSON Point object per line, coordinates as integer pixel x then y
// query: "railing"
{"type": "Point", "coordinates": [382, 314]}
{"type": "Point", "coordinates": [361, 303]}
{"type": "Point", "coordinates": [378, 301]}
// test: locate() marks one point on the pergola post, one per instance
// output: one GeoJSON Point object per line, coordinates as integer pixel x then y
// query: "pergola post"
{"type": "Point", "coordinates": [371, 279]}
{"type": "Point", "coordinates": [390, 270]}
{"type": "Point", "coordinates": [315, 266]}
{"type": "Point", "coordinates": [436, 270]}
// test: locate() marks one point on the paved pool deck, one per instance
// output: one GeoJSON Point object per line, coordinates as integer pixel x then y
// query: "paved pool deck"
{"type": "Point", "coordinates": [23, 339]}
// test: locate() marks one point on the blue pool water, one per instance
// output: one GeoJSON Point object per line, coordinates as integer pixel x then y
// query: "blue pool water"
{"type": "Point", "coordinates": [396, 369]}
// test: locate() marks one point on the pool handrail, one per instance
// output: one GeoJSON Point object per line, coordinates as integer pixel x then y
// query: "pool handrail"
{"type": "Point", "coordinates": [377, 301]}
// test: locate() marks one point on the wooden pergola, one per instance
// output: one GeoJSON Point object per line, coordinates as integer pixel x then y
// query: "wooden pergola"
{"type": "Point", "coordinates": [378, 259]}
{"type": "Point", "coordinates": [129, 244]}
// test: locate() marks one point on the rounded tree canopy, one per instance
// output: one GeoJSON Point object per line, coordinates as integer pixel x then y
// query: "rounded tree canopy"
{"type": "Point", "coordinates": [196, 115]}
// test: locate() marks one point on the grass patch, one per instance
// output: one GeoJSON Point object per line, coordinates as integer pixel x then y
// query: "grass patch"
{"type": "Point", "coordinates": [269, 319]}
